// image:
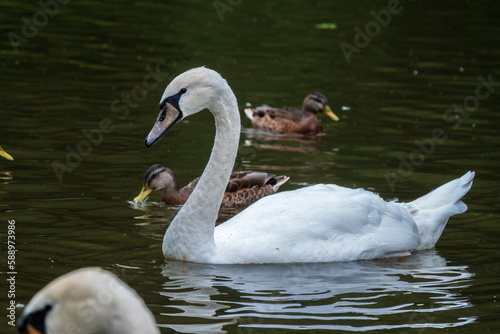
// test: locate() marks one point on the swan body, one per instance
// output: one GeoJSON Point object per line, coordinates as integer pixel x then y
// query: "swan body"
{"type": "Point", "coordinates": [290, 120]}
{"type": "Point", "coordinates": [87, 301]}
{"type": "Point", "coordinates": [321, 223]}
{"type": "Point", "coordinates": [243, 188]}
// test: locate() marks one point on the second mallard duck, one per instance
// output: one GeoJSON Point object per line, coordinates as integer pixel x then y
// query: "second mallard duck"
{"type": "Point", "coordinates": [243, 188]}
{"type": "Point", "coordinates": [289, 120]}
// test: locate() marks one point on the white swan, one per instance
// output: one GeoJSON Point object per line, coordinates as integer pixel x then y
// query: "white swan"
{"type": "Point", "coordinates": [313, 224]}
{"type": "Point", "coordinates": [87, 301]}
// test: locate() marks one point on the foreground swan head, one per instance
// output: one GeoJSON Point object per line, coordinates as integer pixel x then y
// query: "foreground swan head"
{"type": "Point", "coordinates": [312, 224]}
{"type": "Point", "coordinates": [87, 301]}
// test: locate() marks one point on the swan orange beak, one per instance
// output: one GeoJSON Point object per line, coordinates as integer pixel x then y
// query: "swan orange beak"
{"type": "Point", "coordinates": [328, 112]}
{"type": "Point", "coordinates": [144, 193]}
{"type": "Point", "coordinates": [5, 154]}
{"type": "Point", "coordinates": [168, 116]}
{"type": "Point", "coordinates": [31, 330]}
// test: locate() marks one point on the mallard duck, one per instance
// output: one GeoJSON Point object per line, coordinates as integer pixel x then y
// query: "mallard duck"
{"type": "Point", "coordinates": [242, 189]}
{"type": "Point", "coordinates": [289, 120]}
{"type": "Point", "coordinates": [5, 154]}
{"type": "Point", "coordinates": [87, 301]}
{"type": "Point", "coordinates": [314, 224]}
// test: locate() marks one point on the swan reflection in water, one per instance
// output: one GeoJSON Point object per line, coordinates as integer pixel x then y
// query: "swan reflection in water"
{"type": "Point", "coordinates": [419, 291]}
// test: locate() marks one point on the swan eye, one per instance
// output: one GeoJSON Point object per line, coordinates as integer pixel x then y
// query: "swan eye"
{"type": "Point", "coordinates": [183, 91]}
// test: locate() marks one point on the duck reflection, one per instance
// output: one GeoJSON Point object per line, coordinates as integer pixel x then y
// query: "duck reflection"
{"type": "Point", "coordinates": [286, 143]}
{"type": "Point", "coordinates": [418, 291]}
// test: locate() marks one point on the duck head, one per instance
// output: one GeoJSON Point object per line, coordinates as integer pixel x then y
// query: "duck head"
{"type": "Point", "coordinates": [157, 177]}
{"type": "Point", "coordinates": [317, 102]}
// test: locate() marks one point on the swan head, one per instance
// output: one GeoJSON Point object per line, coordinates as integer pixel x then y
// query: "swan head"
{"type": "Point", "coordinates": [88, 300]}
{"type": "Point", "coordinates": [189, 93]}
{"type": "Point", "coordinates": [157, 177]}
{"type": "Point", "coordinates": [317, 102]}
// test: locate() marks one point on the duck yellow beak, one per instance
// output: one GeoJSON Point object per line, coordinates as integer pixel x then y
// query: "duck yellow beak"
{"type": "Point", "coordinates": [328, 112]}
{"type": "Point", "coordinates": [5, 154]}
{"type": "Point", "coordinates": [144, 193]}
{"type": "Point", "coordinates": [168, 116]}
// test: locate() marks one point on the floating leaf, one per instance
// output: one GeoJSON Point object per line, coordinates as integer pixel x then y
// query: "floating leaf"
{"type": "Point", "coordinates": [330, 26]}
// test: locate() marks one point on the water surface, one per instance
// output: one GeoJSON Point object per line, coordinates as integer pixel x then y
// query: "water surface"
{"type": "Point", "coordinates": [104, 63]}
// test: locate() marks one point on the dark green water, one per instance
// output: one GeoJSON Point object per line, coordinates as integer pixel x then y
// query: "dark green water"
{"type": "Point", "coordinates": [415, 113]}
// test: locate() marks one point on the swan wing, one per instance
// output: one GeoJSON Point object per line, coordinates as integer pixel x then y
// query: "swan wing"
{"type": "Point", "coordinates": [315, 224]}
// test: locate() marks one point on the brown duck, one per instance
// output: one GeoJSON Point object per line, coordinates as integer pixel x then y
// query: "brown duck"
{"type": "Point", "coordinates": [243, 188]}
{"type": "Point", "coordinates": [289, 120]}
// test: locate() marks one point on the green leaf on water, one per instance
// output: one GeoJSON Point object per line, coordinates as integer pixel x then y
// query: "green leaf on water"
{"type": "Point", "coordinates": [330, 26]}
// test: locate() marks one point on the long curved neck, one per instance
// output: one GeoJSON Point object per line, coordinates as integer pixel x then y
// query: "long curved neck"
{"type": "Point", "coordinates": [190, 236]}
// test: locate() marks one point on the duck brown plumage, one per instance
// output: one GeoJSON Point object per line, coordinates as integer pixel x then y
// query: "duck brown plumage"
{"type": "Point", "coordinates": [290, 120]}
{"type": "Point", "coordinates": [242, 189]}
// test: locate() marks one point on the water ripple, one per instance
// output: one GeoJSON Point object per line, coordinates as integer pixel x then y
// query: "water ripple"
{"type": "Point", "coordinates": [420, 291]}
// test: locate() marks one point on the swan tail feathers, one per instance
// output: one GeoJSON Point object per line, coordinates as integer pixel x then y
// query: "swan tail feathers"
{"type": "Point", "coordinates": [280, 180]}
{"type": "Point", "coordinates": [432, 211]}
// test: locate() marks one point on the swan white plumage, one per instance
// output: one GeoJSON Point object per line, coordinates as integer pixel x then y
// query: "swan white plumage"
{"type": "Point", "coordinates": [315, 224]}
{"type": "Point", "coordinates": [87, 301]}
